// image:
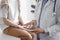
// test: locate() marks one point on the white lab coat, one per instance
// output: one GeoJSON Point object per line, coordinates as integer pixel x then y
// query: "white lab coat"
{"type": "Point", "coordinates": [48, 21]}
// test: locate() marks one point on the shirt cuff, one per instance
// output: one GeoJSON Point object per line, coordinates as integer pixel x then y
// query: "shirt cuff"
{"type": "Point", "coordinates": [46, 32]}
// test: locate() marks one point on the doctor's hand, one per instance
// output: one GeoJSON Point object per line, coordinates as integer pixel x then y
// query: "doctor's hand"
{"type": "Point", "coordinates": [30, 24]}
{"type": "Point", "coordinates": [38, 30]}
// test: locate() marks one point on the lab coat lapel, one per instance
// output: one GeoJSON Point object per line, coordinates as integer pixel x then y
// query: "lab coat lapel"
{"type": "Point", "coordinates": [47, 15]}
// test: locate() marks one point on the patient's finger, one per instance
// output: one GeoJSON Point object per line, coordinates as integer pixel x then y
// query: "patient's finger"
{"type": "Point", "coordinates": [28, 26]}
{"type": "Point", "coordinates": [31, 26]}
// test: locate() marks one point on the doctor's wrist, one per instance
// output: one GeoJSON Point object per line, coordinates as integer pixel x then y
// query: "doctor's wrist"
{"type": "Point", "coordinates": [46, 32]}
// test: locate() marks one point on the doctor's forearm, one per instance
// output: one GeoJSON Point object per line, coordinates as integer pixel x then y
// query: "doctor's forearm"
{"type": "Point", "coordinates": [53, 29]}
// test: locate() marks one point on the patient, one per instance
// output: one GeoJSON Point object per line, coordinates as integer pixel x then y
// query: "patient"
{"type": "Point", "coordinates": [10, 19]}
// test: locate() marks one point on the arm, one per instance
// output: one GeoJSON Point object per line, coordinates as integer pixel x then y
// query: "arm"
{"type": "Point", "coordinates": [19, 17]}
{"type": "Point", "coordinates": [56, 27]}
{"type": "Point", "coordinates": [20, 20]}
{"type": "Point", "coordinates": [53, 29]}
{"type": "Point", "coordinates": [5, 11]}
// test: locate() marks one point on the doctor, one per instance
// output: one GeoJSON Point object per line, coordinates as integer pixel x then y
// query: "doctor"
{"type": "Point", "coordinates": [50, 21]}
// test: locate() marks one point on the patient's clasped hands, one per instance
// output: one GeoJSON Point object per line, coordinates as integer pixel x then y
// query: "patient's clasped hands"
{"type": "Point", "coordinates": [32, 24]}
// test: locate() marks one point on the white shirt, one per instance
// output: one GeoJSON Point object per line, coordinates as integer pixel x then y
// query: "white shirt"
{"type": "Point", "coordinates": [13, 14]}
{"type": "Point", "coordinates": [25, 10]}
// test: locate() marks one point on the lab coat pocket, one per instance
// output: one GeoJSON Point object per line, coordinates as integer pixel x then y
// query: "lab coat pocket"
{"type": "Point", "coordinates": [51, 19]}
